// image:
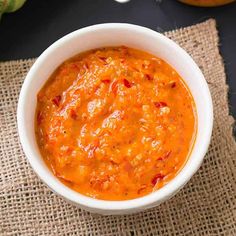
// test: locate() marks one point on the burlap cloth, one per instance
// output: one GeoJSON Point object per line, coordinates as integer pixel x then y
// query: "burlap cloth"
{"type": "Point", "coordinates": [205, 206]}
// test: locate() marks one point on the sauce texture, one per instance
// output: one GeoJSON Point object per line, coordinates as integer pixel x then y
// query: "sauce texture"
{"type": "Point", "coordinates": [115, 123]}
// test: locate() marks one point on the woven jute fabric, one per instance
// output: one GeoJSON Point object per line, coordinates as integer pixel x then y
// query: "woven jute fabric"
{"type": "Point", "coordinates": [205, 206]}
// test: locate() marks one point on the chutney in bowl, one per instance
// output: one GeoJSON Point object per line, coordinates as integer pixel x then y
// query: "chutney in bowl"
{"type": "Point", "coordinates": [115, 123]}
{"type": "Point", "coordinates": [73, 46]}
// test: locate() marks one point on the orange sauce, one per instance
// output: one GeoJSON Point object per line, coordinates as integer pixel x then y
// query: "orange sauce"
{"type": "Point", "coordinates": [115, 123]}
{"type": "Point", "coordinates": [207, 3]}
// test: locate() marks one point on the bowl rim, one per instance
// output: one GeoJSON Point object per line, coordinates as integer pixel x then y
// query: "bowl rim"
{"type": "Point", "coordinates": [107, 205]}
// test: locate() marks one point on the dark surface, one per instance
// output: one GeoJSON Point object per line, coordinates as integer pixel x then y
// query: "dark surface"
{"type": "Point", "coordinates": [27, 32]}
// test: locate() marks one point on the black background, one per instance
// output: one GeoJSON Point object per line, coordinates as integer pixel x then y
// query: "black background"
{"type": "Point", "coordinates": [29, 31]}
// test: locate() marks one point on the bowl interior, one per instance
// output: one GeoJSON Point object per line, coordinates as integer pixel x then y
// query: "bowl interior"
{"type": "Point", "coordinates": [114, 35]}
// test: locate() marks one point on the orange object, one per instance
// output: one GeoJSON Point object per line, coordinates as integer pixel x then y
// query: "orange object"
{"type": "Point", "coordinates": [207, 3]}
{"type": "Point", "coordinates": [115, 123]}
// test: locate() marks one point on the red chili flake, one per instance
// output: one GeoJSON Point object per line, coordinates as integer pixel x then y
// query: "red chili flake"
{"type": "Point", "coordinates": [164, 156]}
{"type": "Point", "coordinates": [160, 104]}
{"type": "Point", "coordinates": [69, 151]}
{"type": "Point", "coordinates": [127, 166]}
{"type": "Point", "coordinates": [56, 100]}
{"type": "Point", "coordinates": [148, 77]}
{"type": "Point", "coordinates": [106, 81]}
{"type": "Point", "coordinates": [86, 65]}
{"type": "Point", "coordinates": [103, 59]}
{"type": "Point", "coordinates": [134, 68]}
{"type": "Point", "coordinates": [157, 178]}
{"type": "Point", "coordinates": [75, 66]}
{"type": "Point", "coordinates": [127, 83]}
{"type": "Point", "coordinates": [39, 117]}
{"type": "Point", "coordinates": [173, 84]}
{"type": "Point", "coordinates": [142, 188]}
{"type": "Point", "coordinates": [122, 60]}
{"type": "Point", "coordinates": [73, 114]}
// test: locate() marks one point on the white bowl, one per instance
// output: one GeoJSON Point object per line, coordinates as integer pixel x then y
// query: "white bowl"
{"type": "Point", "coordinates": [111, 35]}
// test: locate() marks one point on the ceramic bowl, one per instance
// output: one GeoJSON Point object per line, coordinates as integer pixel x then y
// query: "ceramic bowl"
{"type": "Point", "coordinates": [114, 34]}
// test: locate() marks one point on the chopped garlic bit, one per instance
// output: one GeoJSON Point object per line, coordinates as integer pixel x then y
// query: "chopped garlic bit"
{"type": "Point", "coordinates": [145, 107]}
{"type": "Point", "coordinates": [164, 110]}
{"type": "Point", "coordinates": [155, 143]}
